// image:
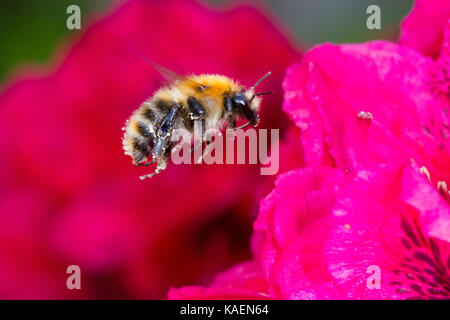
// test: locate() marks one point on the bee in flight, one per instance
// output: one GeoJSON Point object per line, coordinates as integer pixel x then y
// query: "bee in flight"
{"type": "Point", "coordinates": [214, 100]}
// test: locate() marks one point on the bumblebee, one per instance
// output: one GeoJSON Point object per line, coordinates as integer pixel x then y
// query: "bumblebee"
{"type": "Point", "coordinates": [214, 100]}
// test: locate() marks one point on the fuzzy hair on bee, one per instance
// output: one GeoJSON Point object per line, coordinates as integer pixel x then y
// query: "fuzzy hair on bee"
{"type": "Point", "coordinates": [214, 100]}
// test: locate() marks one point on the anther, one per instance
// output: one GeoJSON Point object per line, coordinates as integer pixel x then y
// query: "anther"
{"type": "Point", "coordinates": [442, 185]}
{"type": "Point", "coordinates": [365, 115]}
{"type": "Point", "coordinates": [423, 170]}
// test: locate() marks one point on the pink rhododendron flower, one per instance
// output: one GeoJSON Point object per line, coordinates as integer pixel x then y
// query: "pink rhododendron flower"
{"type": "Point", "coordinates": [397, 85]}
{"type": "Point", "coordinates": [377, 223]}
{"type": "Point", "coordinates": [322, 239]}
{"type": "Point", "coordinates": [399, 88]}
{"type": "Point", "coordinates": [389, 216]}
{"type": "Point", "coordinates": [290, 218]}
{"type": "Point", "coordinates": [423, 28]}
{"type": "Point", "coordinates": [68, 195]}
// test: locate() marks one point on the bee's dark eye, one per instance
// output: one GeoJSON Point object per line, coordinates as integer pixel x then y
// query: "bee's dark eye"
{"type": "Point", "coordinates": [242, 105]}
{"type": "Point", "coordinates": [239, 101]}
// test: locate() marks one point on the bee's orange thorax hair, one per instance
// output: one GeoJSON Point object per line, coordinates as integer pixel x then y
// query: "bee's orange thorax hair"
{"type": "Point", "coordinates": [217, 84]}
{"type": "Point", "coordinates": [208, 89]}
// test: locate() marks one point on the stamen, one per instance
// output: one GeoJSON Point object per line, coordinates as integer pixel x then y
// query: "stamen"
{"type": "Point", "coordinates": [364, 121]}
{"type": "Point", "coordinates": [442, 185]}
{"type": "Point", "coordinates": [365, 115]}
{"type": "Point", "coordinates": [443, 190]}
{"type": "Point", "coordinates": [424, 170]}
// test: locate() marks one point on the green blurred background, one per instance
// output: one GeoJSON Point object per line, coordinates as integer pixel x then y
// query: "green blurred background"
{"type": "Point", "coordinates": [31, 29]}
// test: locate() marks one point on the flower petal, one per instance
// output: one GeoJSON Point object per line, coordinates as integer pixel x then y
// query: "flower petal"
{"type": "Point", "coordinates": [333, 84]}
{"type": "Point", "coordinates": [375, 235]}
{"type": "Point", "coordinates": [291, 218]}
{"type": "Point", "coordinates": [423, 28]}
{"type": "Point", "coordinates": [434, 210]}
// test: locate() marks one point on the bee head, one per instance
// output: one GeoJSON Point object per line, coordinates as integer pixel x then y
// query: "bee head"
{"type": "Point", "coordinates": [243, 104]}
{"type": "Point", "coordinates": [246, 102]}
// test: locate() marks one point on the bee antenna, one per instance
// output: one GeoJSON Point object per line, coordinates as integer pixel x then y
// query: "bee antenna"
{"type": "Point", "coordinates": [261, 79]}
{"type": "Point", "coordinates": [262, 93]}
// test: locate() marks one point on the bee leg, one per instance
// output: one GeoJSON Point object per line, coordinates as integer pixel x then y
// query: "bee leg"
{"type": "Point", "coordinates": [231, 122]}
{"type": "Point", "coordinates": [164, 132]}
{"type": "Point", "coordinates": [203, 135]}
{"type": "Point", "coordinates": [231, 126]}
{"type": "Point", "coordinates": [147, 176]}
{"type": "Point", "coordinates": [196, 110]}
{"type": "Point", "coordinates": [231, 119]}
{"type": "Point", "coordinates": [203, 129]}
{"type": "Point", "coordinates": [196, 147]}
{"type": "Point", "coordinates": [197, 113]}
{"type": "Point", "coordinates": [163, 144]}
{"type": "Point", "coordinates": [150, 175]}
{"type": "Point", "coordinates": [166, 126]}
{"type": "Point", "coordinates": [207, 142]}
{"type": "Point", "coordinates": [162, 164]}
{"type": "Point", "coordinates": [146, 164]}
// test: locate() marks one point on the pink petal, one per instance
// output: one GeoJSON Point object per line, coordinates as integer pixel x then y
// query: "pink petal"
{"type": "Point", "coordinates": [290, 216]}
{"type": "Point", "coordinates": [434, 210]}
{"type": "Point", "coordinates": [423, 28]}
{"type": "Point", "coordinates": [333, 84]}
{"type": "Point", "coordinates": [373, 228]}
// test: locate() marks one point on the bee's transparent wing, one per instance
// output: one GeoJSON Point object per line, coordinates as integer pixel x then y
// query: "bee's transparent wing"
{"type": "Point", "coordinates": [167, 74]}
{"type": "Point", "coordinates": [172, 76]}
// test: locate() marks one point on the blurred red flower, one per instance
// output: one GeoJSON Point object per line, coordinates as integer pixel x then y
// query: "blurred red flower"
{"type": "Point", "coordinates": [68, 194]}
{"type": "Point", "coordinates": [245, 281]}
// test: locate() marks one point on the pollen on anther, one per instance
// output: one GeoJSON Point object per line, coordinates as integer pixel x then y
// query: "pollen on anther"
{"type": "Point", "coordinates": [442, 185]}
{"type": "Point", "coordinates": [365, 115]}
{"type": "Point", "coordinates": [443, 190]}
{"type": "Point", "coordinates": [424, 170]}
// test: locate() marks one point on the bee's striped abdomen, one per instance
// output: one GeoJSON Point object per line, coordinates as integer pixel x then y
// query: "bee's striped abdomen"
{"type": "Point", "coordinates": [140, 132]}
{"type": "Point", "coordinates": [142, 148]}
{"type": "Point", "coordinates": [143, 128]}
